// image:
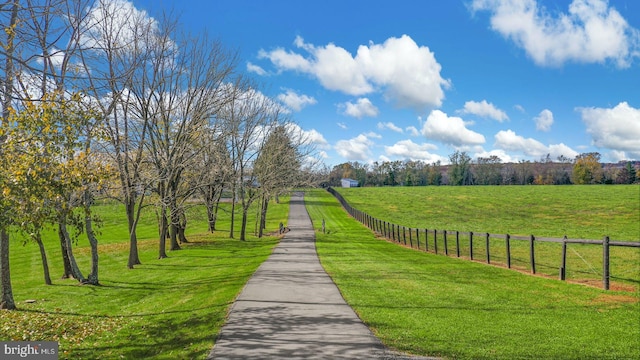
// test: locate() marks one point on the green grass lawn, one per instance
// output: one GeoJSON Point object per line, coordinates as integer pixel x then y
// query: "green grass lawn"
{"type": "Point", "coordinates": [580, 212]}
{"type": "Point", "coordinates": [441, 306]}
{"type": "Point", "coordinates": [170, 308]}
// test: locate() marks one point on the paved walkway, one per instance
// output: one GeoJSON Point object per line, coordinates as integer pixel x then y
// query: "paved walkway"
{"type": "Point", "coordinates": [290, 308]}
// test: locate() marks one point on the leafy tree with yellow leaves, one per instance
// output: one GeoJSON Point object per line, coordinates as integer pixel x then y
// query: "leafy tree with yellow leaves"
{"type": "Point", "coordinates": [587, 169]}
{"type": "Point", "coordinates": [48, 173]}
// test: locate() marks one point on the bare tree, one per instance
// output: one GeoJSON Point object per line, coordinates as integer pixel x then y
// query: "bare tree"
{"type": "Point", "coordinates": [488, 170]}
{"type": "Point", "coordinates": [245, 120]}
{"type": "Point", "coordinates": [188, 82]}
{"type": "Point", "coordinates": [277, 168]}
{"type": "Point", "coordinates": [215, 164]}
{"type": "Point", "coordinates": [114, 55]}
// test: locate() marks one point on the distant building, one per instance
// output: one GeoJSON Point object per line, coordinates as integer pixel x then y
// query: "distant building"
{"type": "Point", "coordinates": [349, 183]}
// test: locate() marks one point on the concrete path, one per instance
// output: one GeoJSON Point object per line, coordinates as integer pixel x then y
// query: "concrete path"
{"type": "Point", "coordinates": [291, 309]}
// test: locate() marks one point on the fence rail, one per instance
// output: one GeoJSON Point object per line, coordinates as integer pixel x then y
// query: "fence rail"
{"type": "Point", "coordinates": [442, 241]}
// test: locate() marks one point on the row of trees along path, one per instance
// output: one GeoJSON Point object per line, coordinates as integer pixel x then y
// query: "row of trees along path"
{"type": "Point", "coordinates": [99, 100]}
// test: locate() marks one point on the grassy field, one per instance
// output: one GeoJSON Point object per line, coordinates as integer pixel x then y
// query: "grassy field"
{"type": "Point", "coordinates": [163, 309]}
{"type": "Point", "coordinates": [425, 304]}
{"type": "Point", "coordinates": [579, 212]}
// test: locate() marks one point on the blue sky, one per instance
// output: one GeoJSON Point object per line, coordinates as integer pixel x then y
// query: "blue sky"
{"type": "Point", "coordinates": [393, 80]}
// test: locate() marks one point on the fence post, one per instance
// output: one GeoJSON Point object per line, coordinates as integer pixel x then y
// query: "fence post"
{"type": "Point", "coordinates": [426, 240]}
{"type": "Point", "coordinates": [507, 239]}
{"type": "Point", "coordinates": [404, 234]}
{"type": "Point", "coordinates": [532, 254]}
{"type": "Point", "coordinates": [435, 240]}
{"type": "Point", "coordinates": [563, 264]}
{"type": "Point", "coordinates": [446, 247]}
{"type": "Point", "coordinates": [488, 254]}
{"type": "Point", "coordinates": [393, 232]}
{"type": "Point", "coordinates": [457, 243]}
{"type": "Point", "coordinates": [605, 263]}
{"type": "Point", "coordinates": [471, 244]}
{"type": "Point", "coordinates": [410, 239]}
{"type": "Point", "coordinates": [418, 237]}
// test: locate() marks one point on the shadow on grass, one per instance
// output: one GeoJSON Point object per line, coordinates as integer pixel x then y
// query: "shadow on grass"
{"type": "Point", "coordinates": [136, 315]}
{"type": "Point", "coordinates": [158, 339]}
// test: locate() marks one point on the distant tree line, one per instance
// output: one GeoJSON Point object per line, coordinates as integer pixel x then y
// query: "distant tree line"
{"type": "Point", "coordinates": [585, 168]}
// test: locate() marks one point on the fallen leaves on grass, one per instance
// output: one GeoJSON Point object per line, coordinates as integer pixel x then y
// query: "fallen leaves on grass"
{"type": "Point", "coordinates": [44, 326]}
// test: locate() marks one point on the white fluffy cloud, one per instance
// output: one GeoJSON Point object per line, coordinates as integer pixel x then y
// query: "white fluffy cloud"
{"type": "Point", "coordinates": [508, 140]}
{"type": "Point", "coordinates": [484, 109]}
{"type": "Point", "coordinates": [356, 149]}
{"type": "Point", "coordinates": [307, 137]}
{"type": "Point", "coordinates": [117, 21]}
{"type": "Point", "coordinates": [616, 128]}
{"type": "Point", "coordinates": [506, 158]}
{"type": "Point", "coordinates": [255, 69]}
{"type": "Point", "coordinates": [315, 137]}
{"type": "Point", "coordinates": [412, 130]}
{"type": "Point", "coordinates": [389, 125]}
{"type": "Point", "coordinates": [363, 107]}
{"type": "Point", "coordinates": [591, 31]}
{"type": "Point", "coordinates": [450, 130]}
{"type": "Point", "coordinates": [406, 73]}
{"type": "Point", "coordinates": [296, 101]}
{"type": "Point", "coordinates": [407, 149]}
{"type": "Point", "coordinates": [544, 120]}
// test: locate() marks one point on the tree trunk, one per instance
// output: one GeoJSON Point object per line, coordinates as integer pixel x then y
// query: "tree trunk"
{"type": "Point", "coordinates": [263, 216]}
{"type": "Point", "coordinates": [233, 212]}
{"type": "Point", "coordinates": [216, 208]}
{"type": "Point", "coordinates": [162, 248]}
{"type": "Point", "coordinates": [211, 216]}
{"type": "Point", "coordinates": [93, 241]}
{"type": "Point", "coordinates": [6, 301]}
{"type": "Point", "coordinates": [75, 270]}
{"type": "Point", "coordinates": [65, 257]}
{"type": "Point", "coordinates": [243, 229]}
{"type": "Point", "coordinates": [182, 227]}
{"type": "Point", "coordinates": [173, 236]}
{"type": "Point", "coordinates": [43, 256]}
{"type": "Point", "coordinates": [174, 215]}
{"type": "Point", "coordinates": [132, 220]}
{"type": "Point", "coordinates": [6, 292]}
{"type": "Point", "coordinates": [173, 228]}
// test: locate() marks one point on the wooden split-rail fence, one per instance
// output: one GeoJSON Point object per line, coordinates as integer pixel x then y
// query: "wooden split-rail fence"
{"type": "Point", "coordinates": [465, 240]}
